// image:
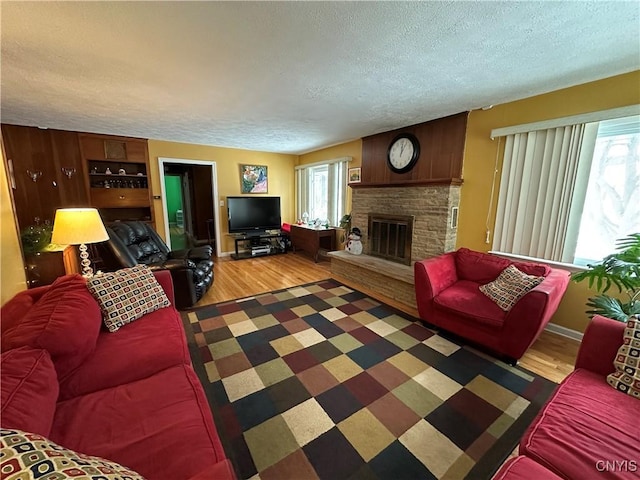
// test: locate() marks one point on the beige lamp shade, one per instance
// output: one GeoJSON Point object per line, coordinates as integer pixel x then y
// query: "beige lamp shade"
{"type": "Point", "coordinates": [74, 226]}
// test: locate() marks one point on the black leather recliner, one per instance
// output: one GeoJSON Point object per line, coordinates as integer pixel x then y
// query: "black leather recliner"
{"type": "Point", "coordinates": [132, 243]}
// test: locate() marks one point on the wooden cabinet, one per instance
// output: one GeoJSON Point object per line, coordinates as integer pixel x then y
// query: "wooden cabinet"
{"type": "Point", "coordinates": [117, 176]}
{"type": "Point", "coordinates": [313, 240]}
{"type": "Point", "coordinates": [46, 172]}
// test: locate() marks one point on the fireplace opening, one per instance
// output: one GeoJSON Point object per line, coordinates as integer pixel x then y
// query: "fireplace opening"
{"type": "Point", "coordinates": [390, 237]}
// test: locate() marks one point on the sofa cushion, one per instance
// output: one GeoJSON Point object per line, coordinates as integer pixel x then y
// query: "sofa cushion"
{"type": "Point", "coordinates": [126, 295]}
{"type": "Point", "coordinates": [477, 266]}
{"type": "Point", "coordinates": [160, 426]}
{"type": "Point", "coordinates": [15, 309]}
{"type": "Point", "coordinates": [29, 390]}
{"type": "Point", "coordinates": [145, 347]}
{"type": "Point", "coordinates": [65, 321]}
{"type": "Point", "coordinates": [483, 267]}
{"type": "Point", "coordinates": [464, 298]}
{"type": "Point", "coordinates": [24, 453]}
{"type": "Point", "coordinates": [535, 269]}
{"type": "Point", "coordinates": [585, 422]}
{"type": "Point", "coordinates": [510, 286]}
{"type": "Point", "coordinates": [626, 378]}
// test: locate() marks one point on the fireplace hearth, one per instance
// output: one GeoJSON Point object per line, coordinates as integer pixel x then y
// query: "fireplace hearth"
{"type": "Point", "coordinates": [390, 237]}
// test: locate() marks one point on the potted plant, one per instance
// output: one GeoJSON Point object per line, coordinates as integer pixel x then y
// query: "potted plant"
{"type": "Point", "coordinates": [345, 227]}
{"type": "Point", "coordinates": [620, 270]}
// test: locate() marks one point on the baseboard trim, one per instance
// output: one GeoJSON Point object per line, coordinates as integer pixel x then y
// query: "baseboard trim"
{"type": "Point", "coordinates": [564, 331]}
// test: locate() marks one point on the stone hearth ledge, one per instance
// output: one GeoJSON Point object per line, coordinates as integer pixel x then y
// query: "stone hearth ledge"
{"type": "Point", "coordinates": [389, 278]}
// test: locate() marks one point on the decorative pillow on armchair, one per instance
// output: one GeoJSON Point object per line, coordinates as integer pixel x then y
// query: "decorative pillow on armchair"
{"type": "Point", "coordinates": [510, 286]}
{"type": "Point", "coordinates": [626, 378]}
{"type": "Point", "coordinates": [28, 455]}
{"type": "Point", "coordinates": [126, 295]}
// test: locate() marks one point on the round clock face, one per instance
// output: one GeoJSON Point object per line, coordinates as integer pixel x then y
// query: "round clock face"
{"type": "Point", "coordinates": [403, 153]}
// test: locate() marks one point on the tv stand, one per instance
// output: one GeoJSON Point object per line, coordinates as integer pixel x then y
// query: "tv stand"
{"type": "Point", "coordinates": [252, 245]}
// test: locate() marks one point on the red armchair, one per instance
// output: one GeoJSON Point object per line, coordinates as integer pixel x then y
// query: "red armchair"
{"type": "Point", "coordinates": [448, 296]}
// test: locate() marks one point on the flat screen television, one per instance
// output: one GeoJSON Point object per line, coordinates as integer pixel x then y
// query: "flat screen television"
{"type": "Point", "coordinates": [253, 214]}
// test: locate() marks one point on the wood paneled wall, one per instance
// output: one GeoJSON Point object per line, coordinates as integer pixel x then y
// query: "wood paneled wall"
{"type": "Point", "coordinates": [440, 161]}
{"type": "Point", "coordinates": [46, 151]}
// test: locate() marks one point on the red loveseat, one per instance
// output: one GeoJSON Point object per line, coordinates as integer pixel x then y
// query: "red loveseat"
{"type": "Point", "coordinates": [448, 296]}
{"type": "Point", "coordinates": [587, 429]}
{"type": "Point", "coordinates": [131, 396]}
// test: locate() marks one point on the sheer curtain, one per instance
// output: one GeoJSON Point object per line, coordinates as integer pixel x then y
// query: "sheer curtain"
{"type": "Point", "coordinates": [321, 190]}
{"type": "Point", "coordinates": [542, 190]}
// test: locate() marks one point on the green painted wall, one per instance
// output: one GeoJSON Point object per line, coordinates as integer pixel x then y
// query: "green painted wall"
{"type": "Point", "coordinates": [173, 188]}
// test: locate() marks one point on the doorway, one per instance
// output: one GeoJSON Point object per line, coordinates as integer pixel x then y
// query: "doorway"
{"type": "Point", "coordinates": [189, 195]}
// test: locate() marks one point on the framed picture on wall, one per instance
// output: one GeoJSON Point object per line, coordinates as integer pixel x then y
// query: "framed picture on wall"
{"type": "Point", "coordinates": [253, 179]}
{"type": "Point", "coordinates": [354, 175]}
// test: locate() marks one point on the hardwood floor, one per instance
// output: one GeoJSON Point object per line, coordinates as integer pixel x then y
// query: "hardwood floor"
{"type": "Point", "coordinates": [551, 356]}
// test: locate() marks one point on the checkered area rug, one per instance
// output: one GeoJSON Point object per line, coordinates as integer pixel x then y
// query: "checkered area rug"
{"type": "Point", "coordinates": [321, 381]}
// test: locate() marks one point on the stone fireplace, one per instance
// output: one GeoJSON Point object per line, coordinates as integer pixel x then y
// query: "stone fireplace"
{"type": "Point", "coordinates": [433, 210]}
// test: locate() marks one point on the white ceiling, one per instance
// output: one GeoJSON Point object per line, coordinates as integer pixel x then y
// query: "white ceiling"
{"type": "Point", "coordinates": [293, 77]}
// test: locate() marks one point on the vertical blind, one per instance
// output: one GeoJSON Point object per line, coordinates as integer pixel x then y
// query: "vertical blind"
{"type": "Point", "coordinates": [542, 190]}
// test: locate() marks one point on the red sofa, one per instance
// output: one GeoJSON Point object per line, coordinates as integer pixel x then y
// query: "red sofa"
{"type": "Point", "coordinates": [587, 429]}
{"type": "Point", "coordinates": [448, 296]}
{"type": "Point", "coordinates": [131, 396]}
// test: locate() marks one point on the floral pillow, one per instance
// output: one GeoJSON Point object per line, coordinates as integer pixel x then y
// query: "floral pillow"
{"type": "Point", "coordinates": [626, 378]}
{"type": "Point", "coordinates": [510, 286]}
{"type": "Point", "coordinates": [126, 295]}
{"type": "Point", "coordinates": [28, 455]}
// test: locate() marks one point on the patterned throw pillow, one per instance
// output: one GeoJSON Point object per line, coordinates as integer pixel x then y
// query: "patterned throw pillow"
{"type": "Point", "coordinates": [509, 287]}
{"type": "Point", "coordinates": [27, 455]}
{"type": "Point", "coordinates": [626, 378]}
{"type": "Point", "coordinates": [126, 295]}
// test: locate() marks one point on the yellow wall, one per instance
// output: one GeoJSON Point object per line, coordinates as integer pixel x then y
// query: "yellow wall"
{"type": "Point", "coordinates": [228, 161]}
{"type": "Point", "coordinates": [351, 149]}
{"type": "Point", "coordinates": [12, 276]}
{"type": "Point", "coordinates": [480, 157]}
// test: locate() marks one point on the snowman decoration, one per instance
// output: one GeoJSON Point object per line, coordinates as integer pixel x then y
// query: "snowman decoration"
{"type": "Point", "coordinates": [354, 244]}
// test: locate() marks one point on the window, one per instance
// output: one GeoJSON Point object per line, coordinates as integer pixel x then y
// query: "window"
{"type": "Point", "coordinates": [321, 190]}
{"type": "Point", "coordinates": [569, 192]}
{"type": "Point", "coordinates": [612, 203]}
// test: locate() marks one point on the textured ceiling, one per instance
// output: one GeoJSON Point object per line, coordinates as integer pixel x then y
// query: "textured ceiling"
{"type": "Point", "coordinates": [293, 77]}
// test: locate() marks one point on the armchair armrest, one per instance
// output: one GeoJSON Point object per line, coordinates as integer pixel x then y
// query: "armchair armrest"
{"type": "Point", "coordinates": [198, 253]}
{"type": "Point", "coordinates": [600, 344]}
{"type": "Point", "coordinates": [531, 314]}
{"type": "Point", "coordinates": [182, 274]}
{"type": "Point", "coordinates": [433, 275]}
{"type": "Point", "coordinates": [164, 279]}
{"type": "Point", "coordinates": [173, 264]}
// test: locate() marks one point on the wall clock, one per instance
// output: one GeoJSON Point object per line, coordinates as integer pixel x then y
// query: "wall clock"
{"type": "Point", "coordinates": [403, 153]}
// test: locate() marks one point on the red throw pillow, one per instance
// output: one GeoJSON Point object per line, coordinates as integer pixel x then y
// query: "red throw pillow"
{"type": "Point", "coordinates": [28, 390]}
{"type": "Point", "coordinates": [65, 321]}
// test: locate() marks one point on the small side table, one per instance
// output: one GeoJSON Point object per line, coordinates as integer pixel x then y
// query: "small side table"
{"type": "Point", "coordinates": [313, 240]}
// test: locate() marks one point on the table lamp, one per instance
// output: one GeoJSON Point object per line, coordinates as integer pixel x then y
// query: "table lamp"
{"type": "Point", "coordinates": [79, 226]}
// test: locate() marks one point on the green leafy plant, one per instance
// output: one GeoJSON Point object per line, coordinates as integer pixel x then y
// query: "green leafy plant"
{"type": "Point", "coordinates": [345, 225]}
{"type": "Point", "coordinates": [36, 238]}
{"type": "Point", "coordinates": [620, 270]}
